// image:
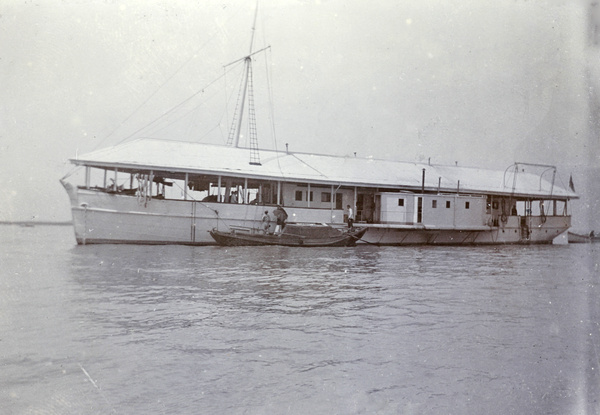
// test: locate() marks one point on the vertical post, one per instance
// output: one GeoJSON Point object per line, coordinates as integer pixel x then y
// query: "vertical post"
{"type": "Point", "coordinates": [219, 198]}
{"type": "Point", "coordinates": [308, 196]}
{"type": "Point", "coordinates": [423, 182]}
{"type": "Point", "coordinates": [131, 180]}
{"type": "Point", "coordinates": [87, 177]}
{"type": "Point", "coordinates": [454, 211]}
{"type": "Point", "coordinates": [227, 196]}
{"type": "Point", "coordinates": [278, 192]}
{"type": "Point", "coordinates": [245, 190]}
{"type": "Point", "coordinates": [115, 183]}
{"type": "Point", "coordinates": [260, 191]}
{"type": "Point", "coordinates": [354, 203]}
{"type": "Point", "coordinates": [145, 186]}
{"type": "Point", "coordinates": [332, 202]}
{"type": "Point", "coordinates": [185, 186]}
{"type": "Point", "coordinates": [104, 185]}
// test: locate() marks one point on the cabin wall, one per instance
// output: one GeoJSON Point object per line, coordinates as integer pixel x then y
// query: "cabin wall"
{"type": "Point", "coordinates": [297, 195]}
{"type": "Point", "coordinates": [470, 211]}
{"type": "Point", "coordinates": [397, 208]}
{"type": "Point", "coordinates": [454, 210]}
{"type": "Point", "coordinates": [440, 211]}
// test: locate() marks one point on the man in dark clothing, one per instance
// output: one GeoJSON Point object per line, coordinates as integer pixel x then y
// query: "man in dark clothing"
{"type": "Point", "coordinates": [281, 216]}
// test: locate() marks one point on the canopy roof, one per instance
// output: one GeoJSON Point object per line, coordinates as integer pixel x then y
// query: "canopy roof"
{"type": "Point", "coordinates": [195, 158]}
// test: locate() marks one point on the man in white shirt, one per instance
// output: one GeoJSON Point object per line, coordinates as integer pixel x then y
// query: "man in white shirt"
{"type": "Point", "coordinates": [350, 216]}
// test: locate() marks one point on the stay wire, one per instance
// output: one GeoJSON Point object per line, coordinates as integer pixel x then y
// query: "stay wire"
{"type": "Point", "coordinates": [136, 110]}
{"type": "Point", "coordinates": [201, 91]}
{"type": "Point", "coordinates": [186, 113]}
{"type": "Point", "coordinates": [271, 103]}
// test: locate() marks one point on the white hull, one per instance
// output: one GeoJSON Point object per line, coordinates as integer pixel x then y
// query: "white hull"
{"type": "Point", "coordinates": [101, 217]}
{"type": "Point", "coordinates": [539, 233]}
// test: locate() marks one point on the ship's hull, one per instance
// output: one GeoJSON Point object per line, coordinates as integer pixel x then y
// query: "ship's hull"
{"type": "Point", "coordinates": [101, 217]}
{"type": "Point", "coordinates": [575, 238]}
{"type": "Point", "coordinates": [516, 230]}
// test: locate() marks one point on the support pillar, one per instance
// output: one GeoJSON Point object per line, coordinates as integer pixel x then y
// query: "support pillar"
{"type": "Point", "coordinates": [87, 177]}
{"type": "Point", "coordinates": [115, 183]}
{"type": "Point", "coordinates": [219, 197]}
{"type": "Point", "coordinates": [279, 193]}
{"type": "Point", "coordinates": [185, 186]}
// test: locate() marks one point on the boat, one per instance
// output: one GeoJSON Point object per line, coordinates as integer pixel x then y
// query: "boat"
{"type": "Point", "coordinates": [306, 235]}
{"type": "Point", "coordinates": [167, 191]}
{"type": "Point", "coordinates": [577, 238]}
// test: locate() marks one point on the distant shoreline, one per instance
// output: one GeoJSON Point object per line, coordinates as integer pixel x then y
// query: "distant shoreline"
{"type": "Point", "coordinates": [36, 223]}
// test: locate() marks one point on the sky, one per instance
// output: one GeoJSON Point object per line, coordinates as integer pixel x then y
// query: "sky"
{"type": "Point", "coordinates": [479, 83]}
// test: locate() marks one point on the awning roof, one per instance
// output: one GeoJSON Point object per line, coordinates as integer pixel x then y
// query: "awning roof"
{"type": "Point", "coordinates": [195, 158]}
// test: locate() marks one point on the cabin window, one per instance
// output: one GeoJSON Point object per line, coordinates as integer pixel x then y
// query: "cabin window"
{"type": "Point", "coordinates": [434, 204]}
{"type": "Point", "coordinates": [467, 205]}
{"type": "Point", "coordinates": [309, 196]}
{"type": "Point", "coordinates": [298, 195]}
{"type": "Point", "coordinates": [326, 197]}
{"type": "Point", "coordinates": [447, 204]}
{"type": "Point", "coordinates": [400, 202]}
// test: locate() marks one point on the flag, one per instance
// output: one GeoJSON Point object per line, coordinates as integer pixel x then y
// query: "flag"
{"type": "Point", "coordinates": [571, 185]}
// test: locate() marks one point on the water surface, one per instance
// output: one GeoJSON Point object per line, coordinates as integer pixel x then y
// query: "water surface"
{"type": "Point", "coordinates": [275, 330]}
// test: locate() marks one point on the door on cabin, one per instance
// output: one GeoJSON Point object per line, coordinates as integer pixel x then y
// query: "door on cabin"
{"type": "Point", "coordinates": [339, 201]}
{"type": "Point", "coordinates": [377, 209]}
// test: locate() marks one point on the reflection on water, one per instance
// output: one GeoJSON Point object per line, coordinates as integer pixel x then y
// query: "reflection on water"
{"type": "Point", "coordinates": [252, 330]}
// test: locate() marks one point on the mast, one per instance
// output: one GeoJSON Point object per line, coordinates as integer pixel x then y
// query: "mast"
{"type": "Point", "coordinates": [238, 129]}
{"type": "Point", "coordinates": [246, 88]}
{"type": "Point", "coordinates": [247, 63]}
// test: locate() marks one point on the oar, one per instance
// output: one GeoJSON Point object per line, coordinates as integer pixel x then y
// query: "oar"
{"type": "Point", "coordinates": [361, 239]}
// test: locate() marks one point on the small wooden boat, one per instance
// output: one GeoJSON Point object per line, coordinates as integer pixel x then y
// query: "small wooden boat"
{"type": "Point", "coordinates": [311, 235]}
{"type": "Point", "coordinates": [577, 238]}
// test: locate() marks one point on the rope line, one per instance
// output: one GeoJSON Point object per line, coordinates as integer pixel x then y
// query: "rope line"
{"type": "Point", "coordinates": [185, 63]}
{"type": "Point", "coordinates": [201, 91]}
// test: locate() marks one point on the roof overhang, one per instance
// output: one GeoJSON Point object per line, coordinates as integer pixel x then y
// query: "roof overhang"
{"type": "Point", "coordinates": [181, 158]}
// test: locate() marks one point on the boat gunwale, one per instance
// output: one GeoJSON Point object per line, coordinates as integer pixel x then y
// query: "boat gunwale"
{"type": "Point", "coordinates": [345, 239]}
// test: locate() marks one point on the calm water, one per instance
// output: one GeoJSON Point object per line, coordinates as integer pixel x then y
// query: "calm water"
{"type": "Point", "coordinates": [274, 330]}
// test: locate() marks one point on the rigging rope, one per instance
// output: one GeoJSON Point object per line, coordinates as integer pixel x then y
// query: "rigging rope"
{"type": "Point", "coordinates": [171, 110]}
{"type": "Point", "coordinates": [236, 114]}
{"type": "Point", "coordinates": [272, 111]}
{"type": "Point", "coordinates": [178, 118]}
{"type": "Point", "coordinates": [185, 63]}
